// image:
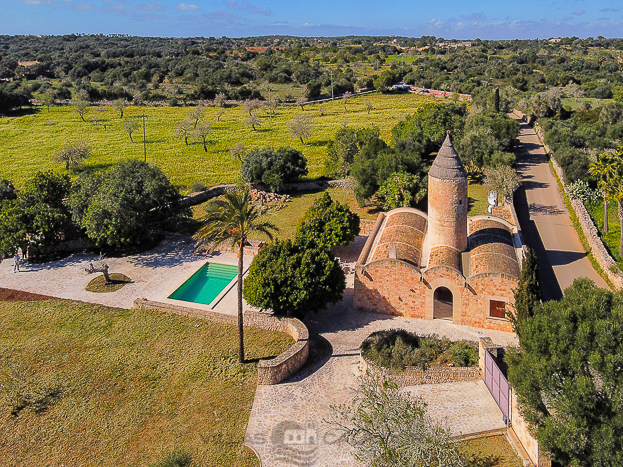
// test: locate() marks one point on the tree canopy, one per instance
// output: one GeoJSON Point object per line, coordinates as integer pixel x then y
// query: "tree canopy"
{"type": "Point", "coordinates": [294, 278]}
{"type": "Point", "coordinates": [128, 205]}
{"type": "Point", "coordinates": [328, 223]}
{"type": "Point", "coordinates": [568, 378]}
{"type": "Point", "coordinates": [273, 168]}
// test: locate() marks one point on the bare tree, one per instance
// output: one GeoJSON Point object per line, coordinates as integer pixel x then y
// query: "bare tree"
{"type": "Point", "coordinates": [73, 154]}
{"type": "Point", "coordinates": [196, 114]}
{"type": "Point", "coordinates": [119, 105]}
{"type": "Point", "coordinates": [184, 130]}
{"type": "Point", "coordinates": [99, 265]}
{"type": "Point", "coordinates": [273, 106]}
{"type": "Point", "coordinates": [251, 106]}
{"type": "Point", "coordinates": [301, 126]}
{"type": "Point", "coordinates": [202, 132]}
{"type": "Point", "coordinates": [251, 121]}
{"type": "Point", "coordinates": [369, 106]}
{"type": "Point", "coordinates": [301, 101]}
{"type": "Point", "coordinates": [345, 98]}
{"type": "Point", "coordinates": [322, 110]}
{"type": "Point", "coordinates": [219, 114]}
{"type": "Point", "coordinates": [81, 103]}
{"type": "Point", "coordinates": [237, 151]}
{"type": "Point", "coordinates": [220, 99]}
{"type": "Point", "coordinates": [130, 126]}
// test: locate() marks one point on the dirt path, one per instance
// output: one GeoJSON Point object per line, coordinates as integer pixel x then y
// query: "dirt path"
{"type": "Point", "coordinates": [545, 221]}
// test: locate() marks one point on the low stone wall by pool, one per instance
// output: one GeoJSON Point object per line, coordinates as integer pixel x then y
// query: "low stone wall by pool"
{"type": "Point", "coordinates": [413, 376]}
{"type": "Point", "coordinates": [271, 371]}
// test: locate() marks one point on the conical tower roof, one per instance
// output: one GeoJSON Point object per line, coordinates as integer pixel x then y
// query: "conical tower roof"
{"type": "Point", "coordinates": [447, 164]}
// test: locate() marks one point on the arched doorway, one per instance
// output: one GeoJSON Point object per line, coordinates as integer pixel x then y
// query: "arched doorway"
{"type": "Point", "coordinates": [442, 303]}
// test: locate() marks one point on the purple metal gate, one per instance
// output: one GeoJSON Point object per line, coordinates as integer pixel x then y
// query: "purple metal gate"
{"type": "Point", "coordinates": [497, 385]}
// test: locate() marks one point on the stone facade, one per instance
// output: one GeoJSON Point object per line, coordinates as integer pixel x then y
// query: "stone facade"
{"type": "Point", "coordinates": [413, 376]}
{"type": "Point", "coordinates": [444, 264]}
{"type": "Point", "coordinates": [271, 371]}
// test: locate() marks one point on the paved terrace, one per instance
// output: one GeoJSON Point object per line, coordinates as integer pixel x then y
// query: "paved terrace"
{"type": "Point", "coordinates": [155, 274]}
{"type": "Point", "coordinates": [304, 400]}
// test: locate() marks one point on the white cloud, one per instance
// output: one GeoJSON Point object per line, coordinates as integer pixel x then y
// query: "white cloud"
{"type": "Point", "coordinates": [187, 7]}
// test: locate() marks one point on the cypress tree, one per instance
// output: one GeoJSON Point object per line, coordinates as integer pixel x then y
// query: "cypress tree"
{"type": "Point", "coordinates": [497, 99]}
{"type": "Point", "coordinates": [528, 291]}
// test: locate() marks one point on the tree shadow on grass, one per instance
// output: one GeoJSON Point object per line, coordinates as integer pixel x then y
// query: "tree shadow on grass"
{"type": "Point", "coordinates": [24, 111]}
{"type": "Point", "coordinates": [481, 460]}
{"type": "Point", "coordinates": [95, 167]}
{"type": "Point", "coordinates": [317, 143]}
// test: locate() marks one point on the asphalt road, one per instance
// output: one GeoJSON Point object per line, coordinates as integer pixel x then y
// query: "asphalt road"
{"type": "Point", "coordinates": [545, 221]}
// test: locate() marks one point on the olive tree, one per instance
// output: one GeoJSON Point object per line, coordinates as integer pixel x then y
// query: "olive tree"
{"type": "Point", "coordinates": [301, 126]}
{"type": "Point", "coordinates": [72, 154]}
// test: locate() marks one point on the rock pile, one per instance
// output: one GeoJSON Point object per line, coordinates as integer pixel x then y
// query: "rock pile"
{"type": "Point", "coordinates": [266, 200]}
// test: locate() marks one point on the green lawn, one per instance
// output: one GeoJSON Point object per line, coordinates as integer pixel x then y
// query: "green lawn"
{"type": "Point", "coordinates": [477, 199]}
{"type": "Point", "coordinates": [574, 103]}
{"type": "Point", "coordinates": [612, 240]}
{"type": "Point", "coordinates": [30, 142]}
{"type": "Point", "coordinates": [133, 385]}
{"type": "Point", "coordinates": [492, 451]}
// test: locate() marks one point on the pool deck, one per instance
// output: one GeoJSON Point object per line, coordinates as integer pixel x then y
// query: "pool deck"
{"type": "Point", "coordinates": [155, 275]}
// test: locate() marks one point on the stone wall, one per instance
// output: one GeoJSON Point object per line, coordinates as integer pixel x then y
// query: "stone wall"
{"type": "Point", "coordinates": [212, 192]}
{"type": "Point", "coordinates": [601, 255]}
{"type": "Point", "coordinates": [414, 376]}
{"type": "Point", "coordinates": [271, 371]}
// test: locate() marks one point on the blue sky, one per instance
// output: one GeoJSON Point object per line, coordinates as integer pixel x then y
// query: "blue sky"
{"type": "Point", "coordinates": [502, 19]}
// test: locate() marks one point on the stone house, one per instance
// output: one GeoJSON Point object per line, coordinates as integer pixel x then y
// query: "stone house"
{"type": "Point", "coordinates": [444, 264]}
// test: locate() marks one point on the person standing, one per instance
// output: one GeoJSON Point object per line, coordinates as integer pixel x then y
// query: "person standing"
{"type": "Point", "coordinates": [16, 262]}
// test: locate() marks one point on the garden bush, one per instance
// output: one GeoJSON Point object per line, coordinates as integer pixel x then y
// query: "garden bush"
{"type": "Point", "coordinates": [397, 349]}
{"type": "Point", "coordinates": [273, 168]}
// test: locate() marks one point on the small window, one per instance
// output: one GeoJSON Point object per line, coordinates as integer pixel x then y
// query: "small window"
{"type": "Point", "coordinates": [497, 309]}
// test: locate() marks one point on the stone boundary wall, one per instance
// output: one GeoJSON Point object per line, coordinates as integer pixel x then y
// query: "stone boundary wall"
{"type": "Point", "coordinates": [271, 371]}
{"type": "Point", "coordinates": [413, 376]}
{"type": "Point", "coordinates": [212, 192]}
{"type": "Point", "coordinates": [601, 255]}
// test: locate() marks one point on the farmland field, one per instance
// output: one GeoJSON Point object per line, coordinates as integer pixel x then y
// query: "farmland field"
{"type": "Point", "coordinates": [29, 143]}
{"type": "Point", "coordinates": [124, 387]}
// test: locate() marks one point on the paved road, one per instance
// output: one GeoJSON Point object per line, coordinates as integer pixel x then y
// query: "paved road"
{"type": "Point", "coordinates": [545, 221]}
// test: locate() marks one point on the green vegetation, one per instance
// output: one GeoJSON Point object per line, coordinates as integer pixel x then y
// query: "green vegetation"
{"type": "Point", "coordinates": [528, 292]}
{"type": "Point", "coordinates": [613, 237]}
{"type": "Point", "coordinates": [30, 142]}
{"type": "Point", "coordinates": [294, 278]}
{"type": "Point", "coordinates": [477, 199]}
{"type": "Point", "coordinates": [398, 349]}
{"type": "Point", "coordinates": [131, 386]}
{"type": "Point", "coordinates": [273, 167]}
{"type": "Point", "coordinates": [127, 205]}
{"type": "Point", "coordinates": [328, 223]}
{"type": "Point", "coordinates": [569, 390]}
{"type": "Point", "coordinates": [99, 284]}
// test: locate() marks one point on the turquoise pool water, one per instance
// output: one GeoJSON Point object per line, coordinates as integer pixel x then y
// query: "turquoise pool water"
{"type": "Point", "coordinates": [206, 284]}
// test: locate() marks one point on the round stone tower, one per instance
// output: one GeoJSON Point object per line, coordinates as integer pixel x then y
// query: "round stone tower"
{"type": "Point", "coordinates": [447, 200]}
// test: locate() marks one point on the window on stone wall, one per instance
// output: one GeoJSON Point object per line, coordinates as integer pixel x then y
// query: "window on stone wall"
{"type": "Point", "coordinates": [497, 309]}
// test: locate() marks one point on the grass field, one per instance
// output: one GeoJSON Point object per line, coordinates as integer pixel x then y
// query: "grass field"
{"type": "Point", "coordinates": [492, 451]}
{"type": "Point", "coordinates": [574, 103]}
{"type": "Point", "coordinates": [129, 386]}
{"type": "Point", "coordinates": [30, 142]}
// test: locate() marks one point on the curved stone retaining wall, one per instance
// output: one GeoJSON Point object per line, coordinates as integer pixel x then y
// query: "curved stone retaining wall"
{"type": "Point", "coordinates": [413, 376]}
{"type": "Point", "coordinates": [271, 371]}
{"type": "Point", "coordinates": [601, 255]}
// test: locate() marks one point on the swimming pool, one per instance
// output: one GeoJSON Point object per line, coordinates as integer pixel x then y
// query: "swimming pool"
{"type": "Point", "coordinates": [206, 284]}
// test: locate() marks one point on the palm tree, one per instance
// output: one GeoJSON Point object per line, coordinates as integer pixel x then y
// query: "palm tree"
{"type": "Point", "coordinates": [232, 219]}
{"type": "Point", "coordinates": [603, 169]}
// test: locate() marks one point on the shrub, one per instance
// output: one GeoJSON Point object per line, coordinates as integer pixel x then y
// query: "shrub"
{"type": "Point", "coordinates": [273, 168]}
{"type": "Point", "coordinates": [177, 458]}
{"type": "Point", "coordinates": [397, 349]}
{"type": "Point", "coordinates": [197, 186]}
